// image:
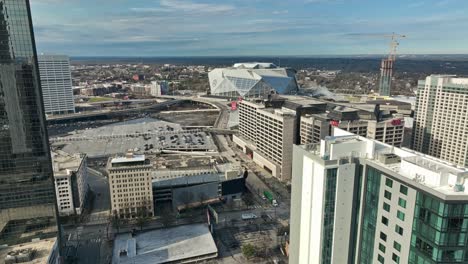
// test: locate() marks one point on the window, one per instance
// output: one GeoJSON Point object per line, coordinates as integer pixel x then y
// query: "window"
{"type": "Point", "coordinates": [383, 236]}
{"type": "Point", "coordinates": [389, 183]}
{"type": "Point", "coordinates": [404, 189]}
{"type": "Point", "coordinates": [396, 246]}
{"type": "Point", "coordinates": [385, 220]}
{"type": "Point", "coordinates": [401, 215]}
{"type": "Point", "coordinates": [402, 202]}
{"type": "Point", "coordinates": [399, 229]}
{"type": "Point", "coordinates": [388, 195]}
{"type": "Point", "coordinates": [381, 247]}
{"type": "Point", "coordinates": [395, 258]}
{"type": "Point", "coordinates": [455, 223]}
{"type": "Point", "coordinates": [386, 207]}
{"type": "Point", "coordinates": [380, 259]}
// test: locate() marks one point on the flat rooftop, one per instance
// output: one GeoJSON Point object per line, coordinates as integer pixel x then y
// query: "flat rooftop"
{"type": "Point", "coordinates": [64, 161]}
{"type": "Point", "coordinates": [423, 172]}
{"type": "Point", "coordinates": [43, 249]}
{"type": "Point", "coordinates": [134, 158]}
{"type": "Point", "coordinates": [177, 244]}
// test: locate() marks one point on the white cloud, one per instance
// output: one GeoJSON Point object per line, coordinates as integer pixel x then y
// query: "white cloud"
{"type": "Point", "coordinates": [185, 6]}
{"type": "Point", "coordinates": [280, 12]}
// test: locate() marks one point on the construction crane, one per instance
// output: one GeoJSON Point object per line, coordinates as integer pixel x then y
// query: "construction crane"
{"type": "Point", "coordinates": [394, 43]}
{"type": "Point", "coordinates": [386, 68]}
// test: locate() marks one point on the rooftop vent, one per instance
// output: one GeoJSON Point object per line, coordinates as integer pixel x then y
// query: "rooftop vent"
{"type": "Point", "coordinates": [458, 187]}
{"type": "Point", "coordinates": [389, 158]}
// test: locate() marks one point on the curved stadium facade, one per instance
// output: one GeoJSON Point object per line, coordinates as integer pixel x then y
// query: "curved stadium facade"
{"type": "Point", "coordinates": [254, 79]}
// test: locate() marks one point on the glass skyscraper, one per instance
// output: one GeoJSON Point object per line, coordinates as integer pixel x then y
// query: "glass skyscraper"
{"type": "Point", "coordinates": [27, 196]}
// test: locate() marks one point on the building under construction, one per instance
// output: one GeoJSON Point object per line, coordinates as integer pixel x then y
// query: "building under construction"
{"type": "Point", "coordinates": [386, 68]}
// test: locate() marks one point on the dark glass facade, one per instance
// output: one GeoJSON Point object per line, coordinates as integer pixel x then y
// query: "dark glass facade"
{"type": "Point", "coordinates": [370, 208]}
{"type": "Point", "coordinates": [329, 215]}
{"type": "Point", "coordinates": [27, 196]}
{"type": "Point", "coordinates": [440, 232]}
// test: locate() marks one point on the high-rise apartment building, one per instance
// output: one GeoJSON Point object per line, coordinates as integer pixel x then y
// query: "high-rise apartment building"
{"type": "Point", "coordinates": [130, 183]}
{"type": "Point", "coordinates": [27, 196]}
{"type": "Point", "coordinates": [441, 118]}
{"type": "Point", "coordinates": [357, 200]}
{"type": "Point", "coordinates": [267, 135]}
{"type": "Point", "coordinates": [56, 84]}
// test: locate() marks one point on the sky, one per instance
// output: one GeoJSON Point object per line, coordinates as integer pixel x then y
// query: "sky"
{"type": "Point", "coordinates": [248, 27]}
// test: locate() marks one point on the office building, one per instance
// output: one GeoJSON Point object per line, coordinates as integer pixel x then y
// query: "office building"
{"type": "Point", "coordinates": [357, 200]}
{"type": "Point", "coordinates": [267, 134]}
{"type": "Point", "coordinates": [130, 186]}
{"type": "Point", "coordinates": [27, 196]}
{"type": "Point", "coordinates": [441, 118]}
{"type": "Point", "coordinates": [158, 88]}
{"type": "Point", "coordinates": [56, 84]}
{"type": "Point", "coordinates": [71, 182]}
{"type": "Point", "coordinates": [315, 127]}
{"type": "Point", "coordinates": [269, 127]}
{"type": "Point", "coordinates": [252, 80]}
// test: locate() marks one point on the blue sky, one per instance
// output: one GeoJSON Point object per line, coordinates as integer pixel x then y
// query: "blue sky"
{"type": "Point", "coordinates": [248, 27]}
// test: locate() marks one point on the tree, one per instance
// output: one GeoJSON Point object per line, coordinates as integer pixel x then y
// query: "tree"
{"type": "Point", "coordinates": [116, 221]}
{"type": "Point", "coordinates": [248, 251]}
{"type": "Point", "coordinates": [143, 214]}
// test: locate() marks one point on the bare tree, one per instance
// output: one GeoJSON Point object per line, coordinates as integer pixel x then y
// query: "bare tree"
{"type": "Point", "coordinates": [143, 214]}
{"type": "Point", "coordinates": [116, 221]}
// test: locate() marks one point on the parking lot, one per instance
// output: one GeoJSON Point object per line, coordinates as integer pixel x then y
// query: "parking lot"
{"type": "Point", "coordinates": [144, 135]}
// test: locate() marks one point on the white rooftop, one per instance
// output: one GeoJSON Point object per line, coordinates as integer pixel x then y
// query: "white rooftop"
{"type": "Point", "coordinates": [255, 65]}
{"type": "Point", "coordinates": [165, 245]}
{"type": "Point", "coordinates": [421, 171]}
{"type": "Point", "coordinates": [133, 158]}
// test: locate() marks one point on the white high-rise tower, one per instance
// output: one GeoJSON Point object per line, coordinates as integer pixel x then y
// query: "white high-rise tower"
{"type": "Point", "coordinates": [56, 84]}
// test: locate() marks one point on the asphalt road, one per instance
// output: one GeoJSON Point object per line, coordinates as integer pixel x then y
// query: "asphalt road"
{"type": "Point", "coordinates": [101, 204]}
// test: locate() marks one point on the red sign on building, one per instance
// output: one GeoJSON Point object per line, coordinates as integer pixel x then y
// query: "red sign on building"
{"type": "Point", "coordinates": [334, 123]}
{"type": "Point", "coordinates": [233, 105]}
{"type": "Point", "coordinates": [396, 122]}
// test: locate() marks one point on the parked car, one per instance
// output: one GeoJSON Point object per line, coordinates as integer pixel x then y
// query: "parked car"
{"type": "Point", "coordinates": [249, 216]}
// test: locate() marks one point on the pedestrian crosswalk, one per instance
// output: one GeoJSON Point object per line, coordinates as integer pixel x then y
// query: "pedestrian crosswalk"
{"type": "Point", "coordinates": [95, 240]}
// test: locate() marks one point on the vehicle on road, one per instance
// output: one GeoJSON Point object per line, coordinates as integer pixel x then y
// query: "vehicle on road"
{"type": "Point", "coordinates": [249, 216]}
{"type": "Point", "coordinates": [270, 198]}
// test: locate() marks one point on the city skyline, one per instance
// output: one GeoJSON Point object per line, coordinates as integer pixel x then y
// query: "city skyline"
{"type": "Point", "coordinates": [240, 27]}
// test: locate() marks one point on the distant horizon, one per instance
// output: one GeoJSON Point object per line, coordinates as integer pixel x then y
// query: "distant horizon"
{"type": "Point", "coordinates": [251, 56]}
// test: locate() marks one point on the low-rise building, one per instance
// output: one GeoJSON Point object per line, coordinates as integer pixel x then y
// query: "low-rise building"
{"type": "Point", "coordinates": [71, 182]}
{"type": "Point", "coordinates": [130, 183]}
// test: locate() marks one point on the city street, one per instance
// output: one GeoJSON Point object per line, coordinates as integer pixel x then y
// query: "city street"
{"type": "Point", "coordinates": [101, 204]}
